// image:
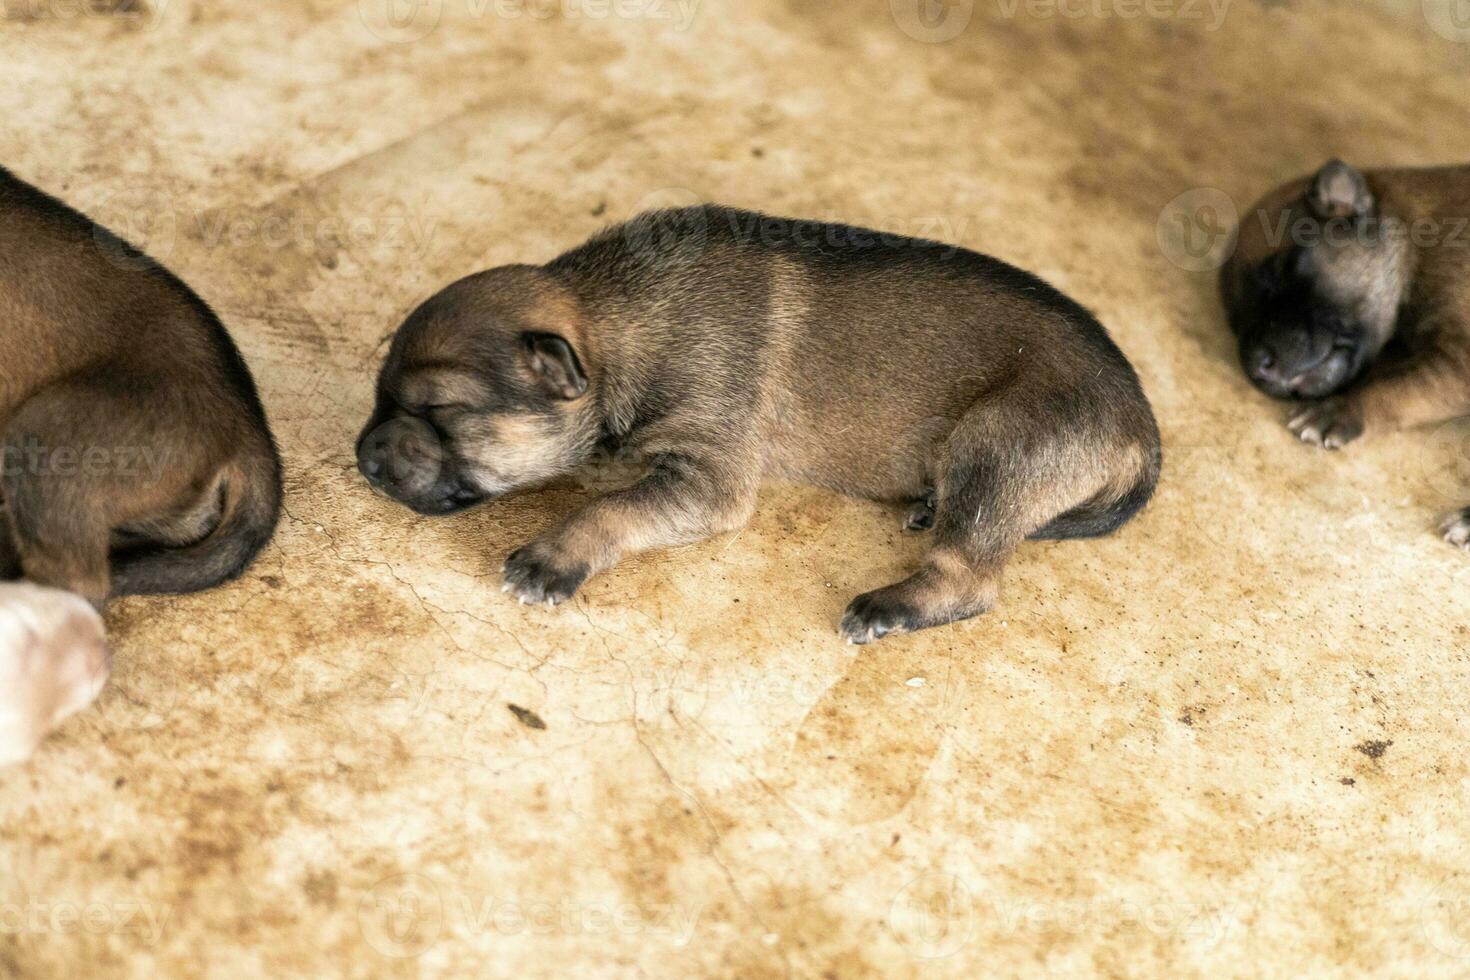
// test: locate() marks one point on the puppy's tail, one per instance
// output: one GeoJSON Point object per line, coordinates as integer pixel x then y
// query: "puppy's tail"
{"type": "Point", "coordinates": [250, 492]}
{"type": "Point", "coordinates": [1109, 510]}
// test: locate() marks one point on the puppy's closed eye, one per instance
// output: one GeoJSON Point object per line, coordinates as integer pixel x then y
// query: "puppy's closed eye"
{"type": "Point", "coordinates": [1276, 273]}
{"type": "Point", "coordinates": [1268, 279]}
{"type": "Point", "coordinates": [427, 389]}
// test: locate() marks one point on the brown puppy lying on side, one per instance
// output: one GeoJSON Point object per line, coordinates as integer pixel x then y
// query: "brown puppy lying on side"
{"type": "Point", "coordinates": [134, 454]}
{"type": "Point", "coordinates": [724, 346]}
{"type": "Point", "coordinates": [1352, 290]}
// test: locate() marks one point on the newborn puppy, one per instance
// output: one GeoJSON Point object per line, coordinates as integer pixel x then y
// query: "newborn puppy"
{"type": "Point", "coordinates": [1352, 291]}
{"type": "Point", "coordinates": [53, 663]}
{"type": "Point", "coordinates": [134, 453]}
{"type": "Point", "coordinates": [725, 346]}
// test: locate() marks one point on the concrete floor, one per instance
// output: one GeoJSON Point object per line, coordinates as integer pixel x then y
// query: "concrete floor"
{"type": "Point", "coordinates": [1230, 740]}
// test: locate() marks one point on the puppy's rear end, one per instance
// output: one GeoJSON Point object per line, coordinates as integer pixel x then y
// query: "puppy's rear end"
{"type": "Point", "coordinates": [123, 381]}
{"type": "Point", "coordinates": [1027, 418]}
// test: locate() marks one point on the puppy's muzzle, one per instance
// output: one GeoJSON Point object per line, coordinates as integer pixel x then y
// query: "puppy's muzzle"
{"type": "Point", "coordinates": [406, 459]}
{"type": "Point", "coordinates": [1298, 365]}
{"type": "Point", "coordinates": [402, 457]}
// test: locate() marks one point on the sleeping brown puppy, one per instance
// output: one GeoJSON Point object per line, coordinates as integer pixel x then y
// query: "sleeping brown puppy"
{"type": "Point", "coordinates": [725, 346]}
{"type": "Point", "coordinates": [1351, 291]}
{"type": "Point", "coordinates": [134, 453]}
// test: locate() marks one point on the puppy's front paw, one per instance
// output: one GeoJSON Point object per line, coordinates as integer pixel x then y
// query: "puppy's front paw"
{"type": "Point", "coordinates": [874, 615]}
{"type": "Point", "coordinates": [1455, 529]}
{"type": "Point", "coordinates": [537, 574]}
{"type": "Point", "coordinates": [1331, 423]}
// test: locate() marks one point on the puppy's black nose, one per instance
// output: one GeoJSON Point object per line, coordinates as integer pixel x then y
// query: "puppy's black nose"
{"type": "Point", "coordinates": [1262, 365]}
{"type": "Point", "coordinates": [402, 456]}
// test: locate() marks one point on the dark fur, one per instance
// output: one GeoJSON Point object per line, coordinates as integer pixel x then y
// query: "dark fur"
{"type": "Point", "coordinates": [1352, 291]}
{"type": "Point", "coordinates": [725, 346]}
{"type": "Point", "coordinates": [105, 352]}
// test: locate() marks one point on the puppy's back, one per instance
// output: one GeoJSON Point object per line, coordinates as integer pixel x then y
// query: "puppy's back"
{"type": "Point", "coordinates": [936, 294]}
{"type": "Point", "coordinates": [895, 322]}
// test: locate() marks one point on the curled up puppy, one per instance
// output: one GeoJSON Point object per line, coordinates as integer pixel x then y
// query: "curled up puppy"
{"type": "Point", "coordinates": [134, 454]}
{"type": "Point", "coordinates": [725, 346]}
{"type": "Point", "coordinates": [1350, 292]}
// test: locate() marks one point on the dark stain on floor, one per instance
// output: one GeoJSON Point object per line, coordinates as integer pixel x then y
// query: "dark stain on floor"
{"type": "Point", "coordinates": [527, 717]}
{"type": "Point", "coordinates": [1374, 749]}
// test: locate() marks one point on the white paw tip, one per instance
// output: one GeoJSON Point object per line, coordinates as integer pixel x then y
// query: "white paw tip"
{"type": "Point", "coordinates": [1456, 531]}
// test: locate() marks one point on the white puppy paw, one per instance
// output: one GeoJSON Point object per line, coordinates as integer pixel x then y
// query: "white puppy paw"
{"type": "Point", "coordinates": [1455, 529]}
{"type": "Point", "coordinates": [53, 663]}
{"type": "Point", "coordinates": [1331, 424]}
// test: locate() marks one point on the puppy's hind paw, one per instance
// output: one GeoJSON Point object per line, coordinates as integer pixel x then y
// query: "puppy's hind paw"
{"type": "Point", "coordinates": [1455, 529]}
{"type": "Point", "coordinates": [874, 615]}
{"type": "Point", "coordinates": [535, 576]}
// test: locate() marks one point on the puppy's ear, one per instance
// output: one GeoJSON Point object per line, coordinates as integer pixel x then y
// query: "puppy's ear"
{"type": "Point", "coordinates": [1339, 191]}
{"type": "Point", "coordinates": [554, 365]}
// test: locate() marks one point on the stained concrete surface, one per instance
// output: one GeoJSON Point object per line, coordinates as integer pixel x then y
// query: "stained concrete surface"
{"type": "Point", "coordinates": [1228, 741]}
